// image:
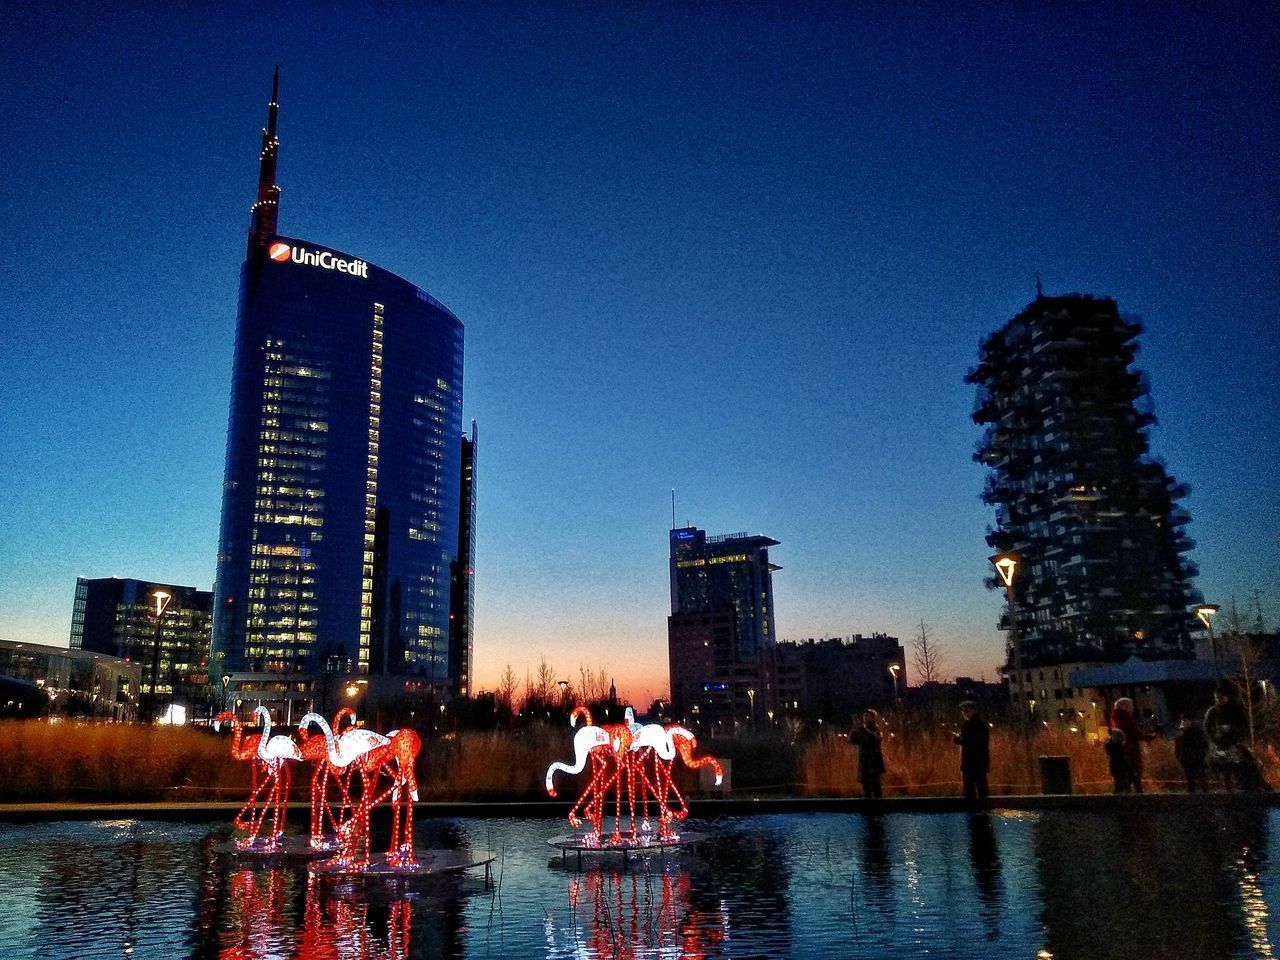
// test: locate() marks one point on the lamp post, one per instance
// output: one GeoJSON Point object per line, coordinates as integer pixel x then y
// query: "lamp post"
{"type": "Point", "coordinates": [1206, 612]}
{"type": "Point", "coordinates": [893, 672]}
{"type": "Point", "coordinates": [751, 697]}
{"type": "Point", "coordinates": [1006, 565]}
{"type": "Point", "coordinates": [162, 599]}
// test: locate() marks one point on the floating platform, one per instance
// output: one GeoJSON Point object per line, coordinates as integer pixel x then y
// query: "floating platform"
{"type": "Point", "coordinates": [431, 863]}
{"type": "Point", "coordinates": [292, 847]}
{"type": "Point", "coordinates": [583, 845]}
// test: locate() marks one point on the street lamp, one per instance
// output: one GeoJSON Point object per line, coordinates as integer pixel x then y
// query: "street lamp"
{"type": "Point", "coordinates": [893, 672]}
{"type": "Point", "coordinates": [226, 681]}
{"type": "Point", "coordinates": [751, 696]}
{"type": "Point", "coordinates": [162, 599]}
{"type": "Point", "coordinates": [1206, 612]}
{"type": "Point", "coordinates": [1006, 565]}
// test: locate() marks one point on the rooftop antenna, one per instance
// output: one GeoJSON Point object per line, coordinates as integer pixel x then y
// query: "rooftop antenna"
{"type": "Point", "coordinates": [1039, 289]}
{"type": "Point", "coordinates": [673, 508]}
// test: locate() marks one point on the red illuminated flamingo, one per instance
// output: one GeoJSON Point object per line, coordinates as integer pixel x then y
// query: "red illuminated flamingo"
{"type": "Point", "coordinates": [394, 760]}
{"type": "Point", "coordinates": [275, 754]}
{"type": "Point", "coordinates": [634, 761]}
{"type": "Point", "coordinates": [264, 794]}
{"type": "Point", "coordinates": [242, 748]}
{"type": "Point", "coordinates": [316, 752]}
{"type": "Point", "coordinates": [370, 754]}
{"type": "Point", "coordinates": [607, 749]}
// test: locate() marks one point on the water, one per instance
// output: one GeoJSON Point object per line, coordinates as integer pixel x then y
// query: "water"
{"type": "Point", "coordinates": [1131, 884]}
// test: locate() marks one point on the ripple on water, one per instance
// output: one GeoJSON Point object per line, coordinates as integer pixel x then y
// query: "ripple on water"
{"type": "Point", "coordinates": [806, 886]}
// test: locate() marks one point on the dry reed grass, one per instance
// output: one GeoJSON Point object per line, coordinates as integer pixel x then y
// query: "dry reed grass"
{"type": "Point", "coordinates": [927, 763]}
{"type": "Point", "coordinates": [41, 761]}
{"type": "Point", "coordinates": [71, 760]}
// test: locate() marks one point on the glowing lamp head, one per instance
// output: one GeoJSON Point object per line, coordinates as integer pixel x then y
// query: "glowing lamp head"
{"type": "Point", "coordinates": [1206, 613]}
{"type": "Point", "coordinates": [1005, 565]}
{"type": "Point", "coordinates": [162, 600]}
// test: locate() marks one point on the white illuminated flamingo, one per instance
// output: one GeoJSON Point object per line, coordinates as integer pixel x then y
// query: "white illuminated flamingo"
{"type": "Point", "coordinates": [316, 752]}
{"type": "Point", "coordinates": [273, 756]}
{"type": "Point", "coordinates": [586, 740]}
{"type": "Point", "coordinates": [369, 754]}
{"type": "Point", "coordinates": [607, 748]}
{"type": "Point", "coordinates": [347, 747]}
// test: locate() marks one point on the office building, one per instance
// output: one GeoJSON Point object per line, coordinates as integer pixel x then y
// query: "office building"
{"type": "Point", "coordinates": [340, 512]}
{"type": "Point", "coordinates": [1079, 499]}
{"type": "Point", "coordinates": [462, 576]}
{"type": "Point", "coordinates": [722, 624]}
{"type": "Point", "coordinates": [164, 628]}
{"type": "Point", "coordinates": [838, 678]}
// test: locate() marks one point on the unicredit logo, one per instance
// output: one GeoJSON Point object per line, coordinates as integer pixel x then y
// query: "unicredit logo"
{"type": "Point", "coordinates": [282, 252]}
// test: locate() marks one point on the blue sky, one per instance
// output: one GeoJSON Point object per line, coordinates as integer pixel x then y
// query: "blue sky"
{"type": "Point", "coordinates": [745, 251]}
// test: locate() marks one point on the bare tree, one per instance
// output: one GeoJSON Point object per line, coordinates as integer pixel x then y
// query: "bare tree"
{"type": "Point", "coordinates": [593, 685]}
{"type": "Point", "coordinates": [927, 655]}
{"type": "Point", "coordinates": [506, 693]}
{"type": "Point", "coordinates": [1246, 649]}
{"type": "Point", "coordinates": [545, 684]}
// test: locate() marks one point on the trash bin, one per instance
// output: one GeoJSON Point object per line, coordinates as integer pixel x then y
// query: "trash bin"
{"type": "Point", "coordinates": [1055, 775]}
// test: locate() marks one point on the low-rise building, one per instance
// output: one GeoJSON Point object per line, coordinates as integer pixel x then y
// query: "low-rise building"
{"type": "Point", "coordinates": [838, 678]}
{"type": "Point", "coordinates": [76, 682]}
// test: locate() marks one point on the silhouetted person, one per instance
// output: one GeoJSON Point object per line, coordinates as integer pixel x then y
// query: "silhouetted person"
{"type": "Point", "coordinates": [1123, 719]}
{"type": "Point", "coordinates": [877, 862]}
{"type": "Point", "coordinates": [1227, 727]}
{"type": "Point", "coordinates": [985, 856]}
{"type": "Point", "coordinates": [1116, 762]}
{"type": "Point", "coordinates": [1191, 747]}
{"type": "Point", "coordinates": [869, 739]}
{"type": "Point", "coordinates": [975, 751]}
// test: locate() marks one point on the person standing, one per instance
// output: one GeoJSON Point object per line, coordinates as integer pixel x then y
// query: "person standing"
{"type": "Point", "coordinates": [1227, 726]}
{"type": "Point", "coordinates": [869, 741]}
{"type": "Point", "coordinates": [1122, 719]}
{"type": "Point", "coordinates": [1116, 761]}
{"type": "Point", "coordinates": [974, 739]}
{"type": "Point", "coordinates": [1191, 747]}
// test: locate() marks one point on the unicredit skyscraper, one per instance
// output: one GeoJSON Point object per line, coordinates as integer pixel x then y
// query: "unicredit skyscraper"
{"type": "Point", "coordinates": [340, 506]}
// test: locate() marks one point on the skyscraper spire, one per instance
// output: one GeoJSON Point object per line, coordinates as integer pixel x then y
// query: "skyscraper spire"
{"type": "Point", "coordinates": [265, 215]}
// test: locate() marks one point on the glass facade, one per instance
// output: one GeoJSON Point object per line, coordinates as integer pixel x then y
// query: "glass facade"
{"type": "Point", "coordinates": [117, 616]}
{"type": "Point", "coordinates": [340, 500]}
{"type": "Point", "coordinates": [722, 573]}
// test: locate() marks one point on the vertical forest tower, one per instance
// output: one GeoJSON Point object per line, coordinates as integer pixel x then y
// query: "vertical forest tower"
{"type": "Point", "coordinates": [1092, 516]}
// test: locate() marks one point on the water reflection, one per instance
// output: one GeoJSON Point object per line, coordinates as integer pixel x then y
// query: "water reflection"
{"type": "Point", "coordinates": [984, 855]}
{"type": "Point", "coordinates": [1128, 882]}
{"type": "Point", "coordinates": [642, 912]}
{"type": "Point", "coordinates": [1144, 882]}
{"type": "Point", "coordinates": [280, 912]}
{"type": "Point", "coordinates": [251, 909]}
{"type": "Point", "coordinates": [876, 865]}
